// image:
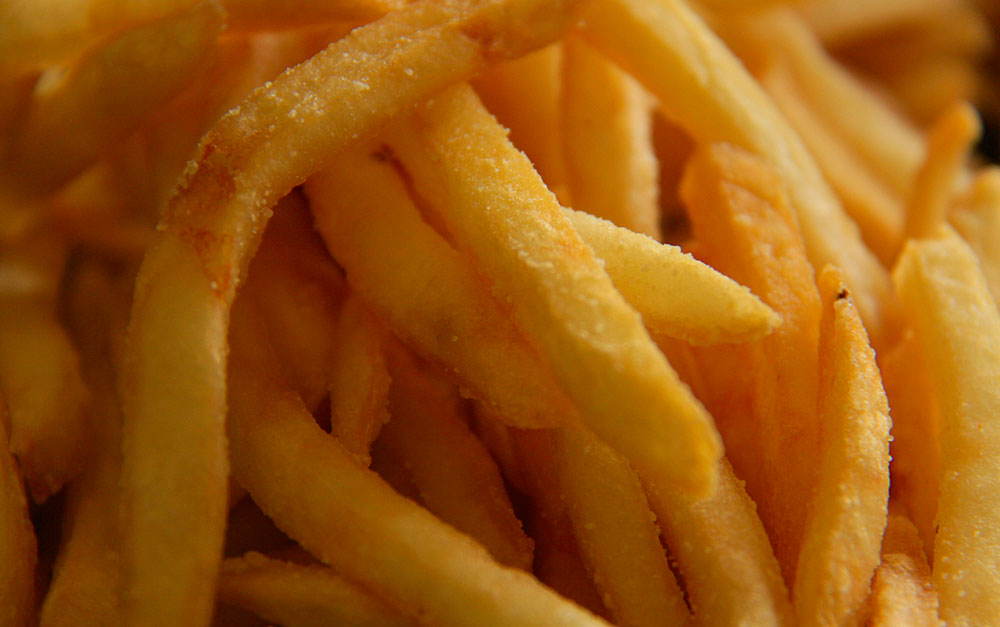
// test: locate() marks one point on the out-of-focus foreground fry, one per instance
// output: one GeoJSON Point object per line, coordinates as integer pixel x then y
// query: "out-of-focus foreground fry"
{"type": "Point", "coordinates": [535, 319]}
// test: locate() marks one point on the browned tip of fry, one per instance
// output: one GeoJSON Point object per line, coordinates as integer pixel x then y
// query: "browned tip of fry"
{"type": "Point", "coordinates": [950, 140]}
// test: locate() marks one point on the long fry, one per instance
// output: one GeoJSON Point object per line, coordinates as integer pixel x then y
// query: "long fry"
{"type": "Point", "coordinates": [350, 519]}
{"type": "Point", "coordinates": [703, 87]}
{"type": "Point", "coordinates": [174, 388]}
{"type": "Point", "coordinates": [954, 316]}
{"type": "Point", "coordinates": [840, 549]}
{"type": "Point", "coordinates": [499, 210]}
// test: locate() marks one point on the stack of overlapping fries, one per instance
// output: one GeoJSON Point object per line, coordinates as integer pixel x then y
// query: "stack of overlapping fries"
{"type": "Point", "coordinates": [499, 312]}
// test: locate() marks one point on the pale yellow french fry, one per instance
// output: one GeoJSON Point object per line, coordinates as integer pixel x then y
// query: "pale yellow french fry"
{"type": "Point", "coordinates": [847, 516]}
{"type": "Point", "coordinates": [607, 131]}
{"type": "Point", "coordinates": [454, 475]}
{"type": "Point", "coordinates": [618, 540]}
{"type": "Point", "coordinates": [902, 590]}
{"type": "Point", "coordinates": [17, 539]}
{"type": "Point", "coordinates": [298, 595]}
{"type": "Point", "coordinates": [174, 391]}
{"type": "Point", "coordinates": [704, 88]}
{"type": "Point", "coordinates": [976, 216]}
{"type": "Point", "coordinates": [947, 301]}
{"type": "Point", "coordinates": [358, 380]}
{"type": "Point", "coordinates": [676, 294]}
{"type": "Point", "coordinates": [948, 147]}
{"type": "Point", "coordinates": [883, 139]}
{"type": "Point", "coordinates": [869, 202]}
{"type": "Point", "coordinates": [526, 96]}
{"type": "Point", "coordinates": [40, 369]}
{"type": "Point", "coordinates": [499, 210]}
{"type": "Point", "coordinates": [350, 519]}
{"type": "Point", "coordinates": [75, 117]}
{"type": "Point", "coordinates": [723, 553]}
{"type": "Point", "coordinates": [360, 203]}
{"type": "Point", "coordinates": [84, 588]}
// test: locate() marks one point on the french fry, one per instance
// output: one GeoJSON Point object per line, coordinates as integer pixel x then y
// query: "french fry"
{"type": "Point", "coordinates": [346, 516]}
{"type": "Point", "coordinates": [976, 216]}
{"type": "Point", "coordinates": [847, 516]}
{"type": "Point", "coordinates": [606, 506]}
{"type": "Point", "coordinates": [454, 475]}
{"type": "Point", "coordinates": [84, 589]}
{"type": "Point", "coordinates": [526, 95]}
{"type": "Point", "coordinates": [723, 554]}
{"type": "Point", "coordinates": [676, 294]}
{"type": "Point", "coordinates": [499, 210]}
{"type": "Point", "coordinates": [869, 202]}
{"type": "Point", "coordinates": [40, 370]}
{"type": "Point", "coordinates": [358, 380]}
{"type": "Point", "coordinates": [174, 395]}
{"type": "Point", "coordinates": [73, 119]}
{"type": "Point", "coordinates": [607, 130]}
{"type": "Point", "coordinates": [745, 228]}
{"type": "Point", "coordinates": [953, 314]}
{"type": "Point", "coordinates": [915, 448]}
{"type": "Point", "coordinates": [18, 549]}
{"type": "Point", "coordinates": [703, 87]}
{"type": "Point", "coordinates": [304, 596]}
{"type": "Point", "coordinates": [360, 201]}
{"type": "Point", "coordinates": [948, 148]}
{"type": "Point", "coordinates": [902, 590]}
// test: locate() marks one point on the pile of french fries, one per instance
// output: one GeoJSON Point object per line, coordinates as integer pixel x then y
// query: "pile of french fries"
{"type": "Point", "coordinates": [498, 312]}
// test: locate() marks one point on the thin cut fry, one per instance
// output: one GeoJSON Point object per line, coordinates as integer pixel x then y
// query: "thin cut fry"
{"type": "Point", "coordinates": [452, 471]}
{"type": "Point", "coordinates": [954, 316]}
{"type": "Point", "coordinates": [607, 130]}
{"type": "Point", "coordinates": [730, 573]}
{"type": "Point", "coordinates": [705, 89]}
{"type": "Point", "coordinates": [303, 596]}
{"type": "Point", "coordinates": [17, 539]}
{"type": "Point", "coordinates": [424, 290]}
{"type": "Point", "coordinates": [902, 591]}
{"type": "Point", "coordinates": [174, 394]}
{"type": "Point", "coordinates": [74, 118]}
{"type": "Point", "coordinates": [499, 210]}
{"type": "Point", "coordinates": [744, 227]}
{"type": "Point", "coordinates": [848, 512]}
{"type": "Point", "coordinates": [39, 369]}
{"type": "Point", "coordinates": [358, 380]}
{"type": "Point", "coordinates": [676, 294]}
{"type": "Point", "coordinates": [346, 516]}
{"type": "Point", "coordinates": [948, 147]}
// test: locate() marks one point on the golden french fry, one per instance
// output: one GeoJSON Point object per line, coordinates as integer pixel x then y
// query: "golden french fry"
{"type": "Point", "coordinates": [454, 475]}
{"type": "Point", "coordinates": [360, 203]}
{"type": "Point", "coordinates": [705, 89]}
{"type": "Point", "coordinates": [976, 216]}
{"type": "Point", "coordinates": [40, 369]}
{"type": "Point", "coordinates": [606, 504]}
{"type": "Point", "coordinates": [902, 590]}
{"type": "Point", "coordinates": [74, 118]}
{"type": "Point", "coordinates": [953, 314]}
{"type": "Point", "coordinates": [723, 554]}
{"type": "Point", "coordinates": [607, 130]}
{"type": "Point", "coordinates": [305, 596]}
{"type": "Point", "coordinates": [499, 210]}
{"type": "Point", "coordinates": [745, 228]}
{"type": "Point", "coordinates": [358, 380]}
{"type": "Point", "coordinates": [526, 96]}
{"type": "Point", "coordinates": [17, 539]}
{"type": "Point", "coordinates": [350, 519]}
{"type": "Point", "coordinates": [948, 148]}
{"type": "Point", "coordinates": [174, 390]}
{"type": "Point", "coordinates": [676, 294]}
{"type": "Point", "coordinates": [847, 516]}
